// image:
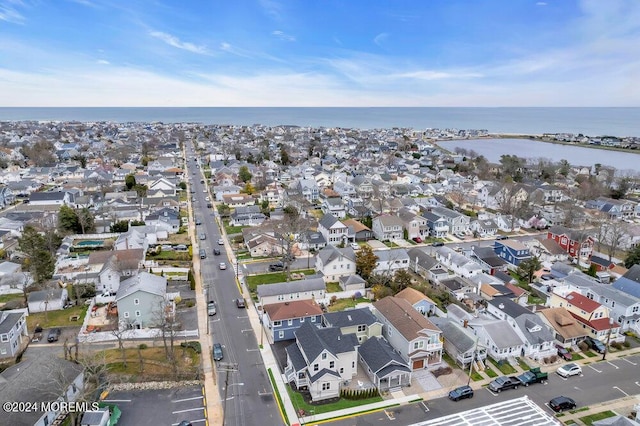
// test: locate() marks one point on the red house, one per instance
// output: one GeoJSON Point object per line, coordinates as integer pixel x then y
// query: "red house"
{"type": "Point", "coordinates": [577, 243]}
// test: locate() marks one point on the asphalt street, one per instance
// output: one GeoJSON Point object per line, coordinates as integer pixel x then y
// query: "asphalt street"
{"type": "Point", "coordinates": [600, 381]}
{"type": "Point", "coordinates": [244, 385]}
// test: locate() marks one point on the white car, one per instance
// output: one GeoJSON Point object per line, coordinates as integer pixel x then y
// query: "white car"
{"type": "Point", "coordinates": [220, 241]}
{"type": "Point", "coordinates": [571, 369]}
{"type": "Point", "coordinates": [355, 246]}
{"type": "Point", "coordinates": [223, 265]}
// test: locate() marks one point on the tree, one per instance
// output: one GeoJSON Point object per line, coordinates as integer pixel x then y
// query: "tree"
{"type": "Point", "coordinates": [120, 226]}
{"type": "Point", "coordinates": [284, 156]}
{"type": "Point", "coordinates": [68, 220]}
{"type": "Point", "coordinates": [248, 188]}
{"type": "Point", "coordinates": [633, 257]}
{"type": "Point", "coordinates": [182, 185]}
{"type": "Point", "coordinates": [366, 262]}
{"type": "Point", "coordinates": [244, 174]}
{"type": "Point", "coordinates": [130, 181]}
{"type": "Point", "coordinates": [401, 280]}
{"type": "Point", "coordinates": [622, 187]}
{"type": "Point", "coordinates": [224, 210]}
{"type": "Point", "coordinates": [527, 268]}
{"type": "Point", "coordinates": [40, 261]}
{"type": "Point", "coordinates": [141, 190]}
{"type": "Point", "coordinates": [86, 221]}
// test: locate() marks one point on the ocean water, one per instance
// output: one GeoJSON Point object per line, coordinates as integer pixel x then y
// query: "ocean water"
{"type": "Point", "coordinates": [588, 121]}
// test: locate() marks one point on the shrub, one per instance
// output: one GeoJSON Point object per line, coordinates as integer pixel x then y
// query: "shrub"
{"type": "Point", "coordinates": [626, 344]}
{"type": "Point", "coordinates": [553, 358]}
{"type": "Point", "coordinates": [583, 346]}
{"type": "Point", "coordinates": [142, 346]}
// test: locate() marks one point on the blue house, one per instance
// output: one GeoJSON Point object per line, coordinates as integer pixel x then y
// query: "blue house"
{"type": "Point", "coordinates": [281, 320]}
{"type": "Point", "coordinates": [512, 251]}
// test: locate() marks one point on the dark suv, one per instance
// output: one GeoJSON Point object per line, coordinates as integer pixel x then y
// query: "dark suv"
{"type": "Point", "coordinates": [53, 335]}
{"type": "Point", "coordinates": [595, 344]}
{"type": "Point", "coordinates": [279, 266]}
{"type": "Point", "coordinates": [561, 403]}
{"type": "Point", "coordinates": [461, 393]}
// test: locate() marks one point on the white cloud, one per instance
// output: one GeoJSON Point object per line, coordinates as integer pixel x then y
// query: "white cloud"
{"type": "Point", "coordinates": [103, 62]}
{"type": "Point", "coordinates": [9, 12]}
{"type": "Point", "coordinates": [541, 3]}
{"type": "Point", "coordinates": [283, 36]}
{"type": "Point", "coordinates": [380, 38]}
{"type": "Point", "coordinates": [272, 8]}
{"type": "Point", "coordinates": [177, 43]}
{"type": "Point", "coordinates": [437, 75]}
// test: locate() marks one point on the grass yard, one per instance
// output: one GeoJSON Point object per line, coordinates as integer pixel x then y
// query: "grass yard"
{"type": "Point", "coordinates": [230, 230]}
{"type": "Point", "coordinates": [523, 364]}
{"type": "Point", "coordinates": [180, 238]}
{"type": "Point", "coordinates": [504, 367]}
{"type": "Point", "coordinates": [575, 356]}
{"type": "Point", "coordinates": [476, 377]}
{"type": "Point", "coordinates": [300, 404]}
{"type": "Point", "coordinates": [490, 372]}
{"type": "Point", "coordinates": [590, 354]}
{"type": "Point", "coordinates": [4, 298]}
{"type": "Point", "coordinates": [154, 363]}
{"type": "Point", "coordinates": [57, 318]}
{"type": "Point", "coordinates": [588, 420]}
{"type": "Point", "coordinates": [450, 361]}
{"type": "Point", "coordinates": [171, 255]}
{"type": "Point", "coordinates": [333, 287]}
{"type": "Point", "coordinates": [342, 304]}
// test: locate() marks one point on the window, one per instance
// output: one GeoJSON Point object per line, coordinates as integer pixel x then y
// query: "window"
{"type": "Point", "coordinates": [136, 301]}
{"type": "Point", "coordinates": [341, 370]}
{"type": "Point", "coordinates": [290, 322]}
{"type": "Point", "coordinates": [326, 386]}
{"type": "Point", "coordinates": [313, 319]}
{"type": "Point", "coordinates": [316, 367]}
{"type": "Point", "coordinates": [418, 345]}
{"type": "Point", "coordinates": [301, 320]}
{"type": "Point", "coordinates": [281, 334]}
{"type": "Point", "coordinates": [324, 355]}
{"type": "Point", "coordinates": [332, 365]}
{"type": "Point", "coordinates": [126, 314]}
{"type": "Point", "coordinates": [4, 338]}
{"type": "Point", "coordinates": [138, 313]}
{"type": "Point", "coordinates": [277, 323]}
{"type": "Point", "coordinates": [362, 328]}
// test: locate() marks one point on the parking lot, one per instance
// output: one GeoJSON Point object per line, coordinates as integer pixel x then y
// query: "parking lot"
{"type": "Point", "coordinates": [160, 407]}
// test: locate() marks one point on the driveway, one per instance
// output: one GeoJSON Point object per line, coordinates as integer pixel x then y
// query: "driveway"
{"type": "Point", "coordinates": [425, 380]}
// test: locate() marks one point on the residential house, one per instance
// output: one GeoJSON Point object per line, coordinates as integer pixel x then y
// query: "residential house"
{"type": "Point", "coordinates": [357, 230]}
{"type": "Point", "coordinates": [507, 223]}
{"type": "Point", "coordinates": [438, 225]}
{"type": "Point", "coordinates": [458, 287]}
{"type": "Point", "coordinates": [13, 333]}
{"type": "Point", "coordinates": [320, 360]}
{"type": "Point", "coordinates": [51, 198]}
{"type": "Point", "coordinates": [387, 228]}
{"type": "Point", "coordinates": [500, 339]}
{"type": "Point", "coordinates": [458, 263]}
{"type": "Point", "coordinates": [333, 263]}
{"type": "Point", "coordinates": [308, 289]}
{"type": "Point", "coordinates": [281, 320]}
{"type": "Point", "coordinates": [247, 216]}
{"type": "Point", "coordinates": [360, 322]}
{"type": "Point", "coordinates": [47, 300]}
{"type": "Point", "coordinates": [487, 258]}
{"type": "Point", "coordinates": [484, 228]}
{"type": "Point", "coordinates": [353, 283]}
{"type": "Point", "coordinates": [238, 200]}
{"type": "Point", "coordinates": [134, 238]}
{"type": "Point", "coordinates": [414, 225]}
{"type": "Point", "coordinates": [577, 243]}
{"type": "Point", "coordinates": [222, 190]}
{"type": "Point", "coordinates": [420, 302]}
{"type": "Point", "coordinates": [312, 240]}
{"type": "Point", "coordinates": [512, 251]}
{"type": "Point", "coordinates": [548, 251]}
{"type": "Point", "coordinates": [261, 244]}
{"type": "Point", "coordinates": [333, 231]}
{"type": "Point", "coordinates": [142, 301]}
{"type": "Point", "coordinates": [568, 330]}
{"type": "Point", "coordinates": [384, 366]}
{"type": "Point", "coordinates": [537, 337]}
{"type": "Point", "coordinates": [458, 222]}
{"type": "Point", "coordinates": [165, 219]}
{"type": "Point", "coordinates": [411, 334]}
{"type": "Point", "coordinates": [428, 267]}
{"type": "Point", "coordinates": [334, 206]}
{"type": "Point", "coordinates": [630, 282]}
{"type": "Point", "coordinates": [391, 260]}
{"type": "Point", "coordinates": [40, 378]}
{"type": "Point", "coordinates": [110, 267]}
{"type": "Point", "coordinates": [308, 188]}
{"type": "Point", "coordinates": [459, 342]}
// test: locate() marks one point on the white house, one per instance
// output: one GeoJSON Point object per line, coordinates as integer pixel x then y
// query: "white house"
{"type": "Point", "coordinates": [335, 263]}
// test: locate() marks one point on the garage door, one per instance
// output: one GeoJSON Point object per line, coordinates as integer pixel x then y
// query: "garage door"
{"type": "Point", "coordinates": [418, 364]}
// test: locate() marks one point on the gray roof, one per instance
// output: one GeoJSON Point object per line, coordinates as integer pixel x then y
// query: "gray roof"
{"type": "Point", "coordinates": [454, 333]}
{"type": "Point", "coordinates": [509, 307]}
{"type": "Point", "coordinates": [313, 341]}
{"type": "Point", "coordinates": [9, 321]}
{"type": "Point", "coordinates": [425, 260]}
{"type": "Point", "coordinates": [320, 374]}
{"type": "Point", "coordinates": [628, 286]}
{"type": "Point", "coordinates": [378, 354]}
{"type": "Point", "coordinates": [296, 357]}
{"type": "Point", "coordinates": [502, 334]}
{"type": "Point", "coordinates": [47, 196]}
{"type": "Point", "coordinates": [349, 318]}
{"type": "Point", "coordinates": [330, 253]}
{"type": "Point", "coordinates": [37, 378]}
{"type": "Point", "coordinates": [392, 255]}
{"type": "Point", "coordinates": [311, 284]}
{"type": "Point", "coordinates": [144, 281]}
{"type": "Point", "coordinates": [528, 322]}
{"type": "Point", "coordinates": [618, 420]}
{"type": "Point", "coordinates": [352, 279]}
{"type": "Point", "coordinates": [43, 295]}
{"type": "Point", "coordinates": [328, 220]}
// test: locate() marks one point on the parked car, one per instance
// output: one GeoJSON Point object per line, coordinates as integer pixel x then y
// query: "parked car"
{"type": "Point", "coordinates": [216, 252]}
{"type": "Point", "coordinates": [504, 383]}
{"type": "Point", "coordinates": [595, 344]}
{"type": "Point", "coordinates": [223, 266]}
{"type": "Point", "coordinates": [220, 242]}
{"type": "Point", "coordinates": [240, 303]}
{"type": "Point", "coordinates": [564, 353]}
{"type": "Point", "coordinates": [437, 244]}
{"type": "Point", "coordinates": [561, 403]}
{"type": "Point", "coordinates": [571, 369]}
{"type": "Point", "coordinates": [502, 237]}
{"type": "Point", "coordinates": [274, 267]}
{"type": "Point", "coordinates": [354, 246]}
{"type": "Point", "coordinates": [533, 376]}
{"type": "Point", "coordinates": [211, 308]}
{"type": "Point", "coordinates": [203, 254]}
{"type": "Point", "coordinates": [198, 221]}
{"type": "Point", "coordinates": [203, 237]}
{"type": "Point", "coordinates": [53, 335]}
{"type": "Point", "coordinates": [217, 352]}
{"type": "Point", "coordinates": [417, 239]}
{"type": "Point", "coordinates": [461, 393]}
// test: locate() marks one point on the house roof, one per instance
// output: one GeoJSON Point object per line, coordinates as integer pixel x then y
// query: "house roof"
{"type": "Point", "coordinates": [351, 280]}
{"type": "Point", "coordinates": [627, 285]}
{"type": "Point", "coordinates": [39, 377]}
{"type": "Point", "coordinates": [330, 253]}
{"type": "Point", "coordinates": [328, 220]}
{"type": "Point", "coordinates": [551, 246]}
{"type": "Point", "coordinates": [324, 372]}
{"type": "Point", "coordinates": [582, 302]}
{"type": "Point", "coordinates": [313, 340]}
{"type": "Point", "coordinates": [509, 307]}
{"type": "Point", "coordinates": [378, 354]}
{"type": "Point", "coordinates": [502, 334]}
{"type": "Point", "coordinates": [91, 418]}
{"type": "Point", "coordinates": [143, 281]}
{"type": "Point", "coordinates": [298, 286]}
{"type": "Point", "coordinates": [350, 317]}
{"type": "Point", "coordinates": [455, 334]}
{"type": "Point", "coordinates": [564, 323]}
{"type": "Point", "coordinates": [9, 321]}
{"type": "Point", "coordinates": [43, 295]}
{"type": "Point", "coordinates": [572, 234]}
{"type": "Point", "coordinates": [293, 309]}
{"type": "Point", "coordinates": [600, 324]}
{"type": "Point", "coordinates": [295, 356]}
{"type": "Point", "coordinates": [425, 260]}
{"type": "Point", "coordinates": [357, 226]}
{"type": "Point", "coordinates": [409, 322]}
{"type": "Point", "coordinates": [533, 329]}
{"type": "Point", "coordinates": [413, 296]}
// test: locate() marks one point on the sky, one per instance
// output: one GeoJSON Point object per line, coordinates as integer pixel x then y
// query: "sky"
{"type": "Point", "coordinates": [361, 53]}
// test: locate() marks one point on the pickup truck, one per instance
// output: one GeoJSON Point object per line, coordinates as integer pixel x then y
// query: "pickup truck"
{"type": "Point", "coordinates": [504, 383]}
{"type": "Point", "coordinates": [533, 376]}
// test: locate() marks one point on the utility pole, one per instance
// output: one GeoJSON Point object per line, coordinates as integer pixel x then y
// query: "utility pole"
{"type": "Point", "coordinates": [606, 346]}
{"type": "Point", "coordinates": [473, 360]}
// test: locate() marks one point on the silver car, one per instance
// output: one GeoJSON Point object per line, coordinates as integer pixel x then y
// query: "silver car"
{"type": "Point", "coordinates": [571, 369]}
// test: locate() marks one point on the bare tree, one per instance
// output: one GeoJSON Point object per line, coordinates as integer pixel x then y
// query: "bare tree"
{"type": "Point", "coordinates": [512, 200]}
{"type": "Point", "coordinates": [164, 318]}
{"type": "Point", "coordinates": [614, 232]}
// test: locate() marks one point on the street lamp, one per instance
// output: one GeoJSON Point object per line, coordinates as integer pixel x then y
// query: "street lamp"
{"type": "Point", "coordinates": [606, 346]}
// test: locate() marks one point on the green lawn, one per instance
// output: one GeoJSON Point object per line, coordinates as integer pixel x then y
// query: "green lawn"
{"type": "Point", "coordinates": [490, 372]}
{"type": "Point", "coordinates": [504, 367]}
{"type": "Point", "coordinates": [590, 354]}
{"type": "Point", "coordinates": [299, 403]}
{"type": "Point", "coordinates": [278, 397]}
{"type": "Point", "coordinates": [342, 304]}
{"type": "Point", "coordinates": [588, 420]}
{"type": "Point", "coordinates": [57, 318]}
{"type": "Point", "coordinates": [333, 287]}
{"type": "Point", "coordinates": [450, 361]}
{"type": "Point", "coordinates": [170, 255]}
{"type": "Point", "coordinates": [4, 298]}
{"type": "Point", "coordinates": [575, 356]}
{"type": "Point", "coordinates": [523, 364]}
{"type": "Point", "coordinates": [276, 277]}
{"type": "Point", "coordinates": [476, 377]}
{"type": "Point", "coordinates": [230, 230]}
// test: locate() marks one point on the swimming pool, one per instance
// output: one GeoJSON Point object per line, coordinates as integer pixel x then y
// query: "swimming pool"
{"type": "Point", "coordinates": [90, 243]}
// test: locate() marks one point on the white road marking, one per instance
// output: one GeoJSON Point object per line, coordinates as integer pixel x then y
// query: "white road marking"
{"type": "Point", "coordinates": [625, 394]}
{"type": "Point", "coordinates": [246, 330]}
{"type": "Point", "coordinates": [188, 399]}
{"type": "Point", "coordinates": [637, 383]}
{"type": "Point", "coordinates": [426, 409]}
{"type": "Point", "coordinates": [187, 410]}
{"type": "Point", "coordinates": [630, 362]}
{"type": "Point", "coordinates": [253, 350]}
{"type": "Point", "coordinates": [609, 362]}
{"type": "Point", "coordinates": [593, 368]}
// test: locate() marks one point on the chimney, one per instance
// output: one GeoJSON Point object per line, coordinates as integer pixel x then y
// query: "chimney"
{"type": "Point", "coordinates": [501, 306]}
{"type": "Point", "coordinates": [465, 324]}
